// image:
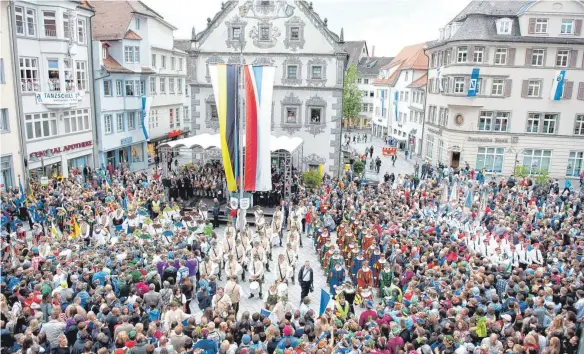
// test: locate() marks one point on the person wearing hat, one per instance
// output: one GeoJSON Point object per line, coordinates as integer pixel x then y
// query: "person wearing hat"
{"type": "Point", "coordinates": [256, 269]}
{"type": "Point", "coordinates": [291, 259]}
{"type": "Point", "coordinates": [216, 256]}
{"type": "Point", "coordinates": [233, 290]}
{"type": "Point", "coordinates": [277, 223]}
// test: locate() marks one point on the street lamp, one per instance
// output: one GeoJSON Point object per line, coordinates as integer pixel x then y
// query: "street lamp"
{"type": "Point", "coordinates": [516, 152]}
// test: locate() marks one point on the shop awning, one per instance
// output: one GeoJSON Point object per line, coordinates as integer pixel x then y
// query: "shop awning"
{"type": "Point", "coordinates": [399, 138]}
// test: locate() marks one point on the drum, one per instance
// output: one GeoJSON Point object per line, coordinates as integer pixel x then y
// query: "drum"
{"type": "Point", "coordinates": [282, 289]}
{"type": "Point", "coordinates": [254, 287]}
{"type": "Point", "coordinates": [215, 269]}
{"type": "Point", "coordinates": [239, 269]}
{"type": "Point", "coordinates": [275, 240]}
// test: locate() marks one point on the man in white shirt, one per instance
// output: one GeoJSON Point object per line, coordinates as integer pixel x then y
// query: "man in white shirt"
{"type": "Point", "coordinates": [535, 255]}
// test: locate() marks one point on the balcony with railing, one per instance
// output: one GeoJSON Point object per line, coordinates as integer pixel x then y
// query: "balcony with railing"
{"type": "Point", "coordinates": [50, 31]}
{"type": "Point", "coordinates": [30, 85]}
{"type": "Point", "coordinates": [54, 85]}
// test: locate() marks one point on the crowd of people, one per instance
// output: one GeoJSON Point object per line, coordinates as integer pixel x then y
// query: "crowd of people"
{"type": "Point", "coordinates": [436, 263]}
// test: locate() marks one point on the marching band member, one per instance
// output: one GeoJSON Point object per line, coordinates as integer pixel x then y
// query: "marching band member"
{"type": "Point", "coordinates": [230, 229]}
{"type": "Point", "coordinates": [266, 243]}
{"type": "Point", "coordinates": [258, 251]}
{"type": "Point", "coordinates": [337, 277]}
{"type": "Point", "coordinates": [233, 290]}
{"type": "Point", "coordinates": [535, 256]}
{"type": "Point", "coordinates": [277, 223]}
{"type": "Point", "coordinates": [282, 308]}
{"type": "Point", "coordinates": [206, 269]}
{"type": "Point", "coordinates": [240, 257]}
{"type": "Point", "coordinates": [256, 270]}
{"type": "Point", "coordinates": [291, 258]}
{"type": "Point", "coordinates": [293, 237]}
{"type": "Point", "coordinates": [283, 272]}
{"type": "Point", "coordinates": [231, 266]}
{"type": "Point", "coordinates": [216, 256]}
{"type": "Point", "coordinates": [364, 277]}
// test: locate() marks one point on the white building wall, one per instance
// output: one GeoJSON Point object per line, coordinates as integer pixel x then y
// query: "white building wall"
{"type": "Point", "coordinates": [10, 140]}
{"type": "Point", "coordinates": [56, 149]}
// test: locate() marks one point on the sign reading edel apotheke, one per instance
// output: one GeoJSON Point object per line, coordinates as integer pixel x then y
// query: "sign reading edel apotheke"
{"type": "Point", "coordinates": [59, 97]}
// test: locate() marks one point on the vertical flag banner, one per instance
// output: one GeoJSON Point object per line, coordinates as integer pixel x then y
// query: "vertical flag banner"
{"type": "Point", "coordinates": [224, 79]}
{"type": "Point", "coordinates": [146, 103]}
{"type": "Point", "coordinates": [259, 88]}
{"type": "Point", "coordinates": [439, 72]}
{"type": "Point", "coordinates": [382, 102]}
{"type": "Point", "coordinates": [474, 82]}
{"type": "Point", "coordinates": [395, 97]}
{"type": "Point", "coordinates": [76, 229]}
{"type": "Point", "coordinates": [324, 300]}
{"type": "Point", "coordinates": [558, 86]}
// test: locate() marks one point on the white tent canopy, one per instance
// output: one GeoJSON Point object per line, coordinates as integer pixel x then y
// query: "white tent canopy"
{"type": "Point", "coordinates": [211, 141]}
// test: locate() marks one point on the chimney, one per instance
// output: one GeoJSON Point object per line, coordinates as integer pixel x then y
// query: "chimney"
{"type": "Point", "coordinates": [372, 51]}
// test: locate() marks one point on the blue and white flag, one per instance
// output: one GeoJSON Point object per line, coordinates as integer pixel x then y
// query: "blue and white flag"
{"type": "Point", "coordinates": [439, 78]}
{"type": "Point", "coordinates": [558, 86]}
{"type": "Point", "coordinates": [395, 97]}
{"type": "Point", "coordinates": [474, 82]}
{"type": "Point", "coordinates": [468, 202]}
{"type": "Point", "coordinates": [382, 102]}
{"type": "Point", "coordinates": [325, 298]}
{"type": "Point", "coordinates": [146, 102]}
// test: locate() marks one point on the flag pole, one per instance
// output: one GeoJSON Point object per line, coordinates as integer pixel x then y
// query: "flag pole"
{"type": "Point", "coordinates": [240, 132]}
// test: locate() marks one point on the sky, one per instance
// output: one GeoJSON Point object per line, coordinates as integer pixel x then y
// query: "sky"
{"type": "Point", "coordinates": [389, 25]}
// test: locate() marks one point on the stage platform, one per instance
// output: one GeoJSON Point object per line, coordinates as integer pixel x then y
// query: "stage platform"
{"type": "Point", "coordinates": [192, 203]}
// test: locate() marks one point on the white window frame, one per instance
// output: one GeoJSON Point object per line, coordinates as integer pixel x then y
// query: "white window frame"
{"type": "Point", "coordinates": [119, 122]}
{"type": "Point", "coordinates": [533, 123]}
{"type": "Point", "coordinates": [562, 58]}
{"type": "Point", "coordinates": [53, 84]}
{"type": "Point", "coordinates": [47, 30]}
{"type": "Point", "coordinates": [501, 56]}
{"type": "Point", "coordinates": [550, 123]}
{"type": "Point", "coordinates": [163, 86]}
{"type": "Point", "coordinates": [171, 85]}
{"type": "Point", "coordinates": [579, 124]}
{"type": "Point", "coordinates": [486, 121]}
{"type": "Point", "coordinates": [179, 85]}
{"type": "Point", "coordinates": [108, 124]}
{"type": "Point", "coordinates": [534, 88]}
{"type": "Point", "coordinates": [541, 26]}
{"type": "Point", "coordinates": [537, 57]}
{"type": "Point", "coordinates": [537, 159]}
{"type": "Point", "coordinates": [462, 54]}
{"type": "Point", "coordinates": [459, 84]}
{"type": "Point", "coordinates": [152, 85]}
{"type": "Point", "coordinates": [575, 163]}
{"type": "Point", "coordinates": [478, 55]}
{"type": "Point", "coordinates": [131, 54]}
{"type": "Point", "coordinates": [29, 65]}
{"type": "Point", "coordinates": [492, 159]}
{"type": "Point", "coordinates": [46, 121]}
{"type": "Point", "coordinates": [321, 118]}
{"type": "Point", "coordinates": [76, 121]}
{"type": "Point", "coordinates": [81, 31]}
{"type": "Point", "coordinates": [172, 63]}
{"type": "Point", "coordinates": [137, 23]}
{"type": "Point", "coordinates": [180, 64]}
{"type": "Point", "coordinates": [505, 27]}
{"type": "Point", "coordinates": [107, 88]}
{"type": "Point", "coordinates": [316, 77]}
{"type": "Point", "coordinates": [163, 61]}
{"type": "Point", "coordinates": [81, 75]}
{"type": "Point", "coordinates": [430, 147]}
{"type": "Point", "coordinates": [131, 120]}
{"type": "Point", "coordinates": [120, 87]}
{"type": "Point", "coordinates": [501, 120]}
{"type": "Point", "coordinates": [103, 52]}
{"type": "Point", "coordinates": [4, 120]}
{"type": "Point", "coordinates": [497, 87]}
{"type": "Point", "coordinates": [153, 60]}
{"type": "Point", "coordinates": [288, 72]}
{"type": "Point", "coordinates": [567, 26]}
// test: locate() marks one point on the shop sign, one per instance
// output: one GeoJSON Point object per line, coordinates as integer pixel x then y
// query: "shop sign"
{"type": "Point", "coordinates": [174, 133]}
{"type": "Point", "coordinates": [490, 140]}
{"type": "Point", "coordinates": [435, 131]}
{"type": "Point", "coordinates": [60, 98]}
{"type": "Point", "coordinates": [59, 150]}
{"type": "Point", "coordinates": [412, 140]}
{"type": "Point", "coordinates": [126, 141]}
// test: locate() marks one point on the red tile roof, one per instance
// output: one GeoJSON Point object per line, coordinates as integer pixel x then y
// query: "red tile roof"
{"type": "Point", "coordinates": [146, 69]}
{"type": "Point", "coordinates": [112, 66]}
{"type": "Point", "coordinates": [132, 35]}
{"type": "Point", "coordinates": [410, 57]}
{"type": "Point", "coordinates": [420, 82]}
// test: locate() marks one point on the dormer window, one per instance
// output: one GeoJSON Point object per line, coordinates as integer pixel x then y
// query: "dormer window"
{"type": "Point", "coordinates": [504, 26]}
{"type": "Point", "coordinates": [104, 52]}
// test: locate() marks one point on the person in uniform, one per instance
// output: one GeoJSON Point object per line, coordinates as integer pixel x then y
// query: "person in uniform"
{"type": "Point", "coordinates": [231, 266]}
{"type": "Point", "coordinates": [206, 268]}
{"type": "Point", "coordinates": [277, 223]}
{"type": "Point", "coordinates": [258, 251]}
{"type": "Point", "coordinates": [221, 302]}
{"type": "Point", "coordinates": [240, 257]}
{"type": "Point", "coordinates": [364, 277]}
{"type": "Point", "coordinates": [282, 270]}
{"type": "Point", "coordinates": [348, 292]}
{"type": "Point", "coordinates": [337, 277]}
{"type": "Point", "coordinates": [282, 308]}
{"type": "Point", "coordinates": [385, 277]}
{"type": "Point", "coordinates": [266, 243]}
{"type": "Point", "coordinates": [216, 256]}
{"type": "Point", "coordinates": [256, 270]}
{"type": "Point", "coordinates": [357, 265]}
{"type": "Point", "coordinates": [291, 259]}
{"type": "Point", "coordinates": [233, 290]}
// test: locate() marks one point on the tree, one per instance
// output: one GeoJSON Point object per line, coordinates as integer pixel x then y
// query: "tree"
{"type": "Point", "coordinates": [312, 179]}
{"type": "Point", "coordinates": [521, 171]}
{"type": "Point", "coordinates": [358, 167]}
{"type": "Point", "coordinates": [351, 95]}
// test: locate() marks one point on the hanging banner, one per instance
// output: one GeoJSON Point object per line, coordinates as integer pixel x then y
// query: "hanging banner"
{"type": "Point", "coordinates": [146, 103]}
{"type": "Point", "coordinates": [439, 72]}
{"type": "Point", "coordinates": [395, 97]}
{"type": "Point", "coordinates": [64, 98]}
{"type": "Point", "coordinates": [474, 81]}
{"type": "Point", "coordinates": [558, 86]}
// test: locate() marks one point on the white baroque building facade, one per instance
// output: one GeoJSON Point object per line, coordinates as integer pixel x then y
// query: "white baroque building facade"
{"type": "Point", "coordinates": [519, 47]}
{"type": "Point", "coordinates": [52, 53]}
{"type": "Point", "coordinates": [134, 59]}
{"type": "Point", "coordinates": [310, 63]}
{"type": "Point", "coordinates": [400, 96]}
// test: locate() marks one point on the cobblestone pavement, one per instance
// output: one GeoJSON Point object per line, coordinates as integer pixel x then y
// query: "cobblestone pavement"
{"type": "Point", "coordinates": [306, 253]}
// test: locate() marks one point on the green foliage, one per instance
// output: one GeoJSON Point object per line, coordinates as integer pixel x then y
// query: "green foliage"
{"type": "Point", "coordinates": [358, 167]}
{"type": "Point", "coordinates": [521, 171]}
{"type": "Point", "coordinates": [542, 176]}
{"type": "Point", "coordinates": [351, 95]}
{"type": "Point", "coordinates": [312, 179]}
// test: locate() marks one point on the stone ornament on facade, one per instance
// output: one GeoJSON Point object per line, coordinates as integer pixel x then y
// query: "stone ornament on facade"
{"type": "Point", "coordinates": [340, 67]}
{"type": "Point", "coordinates": [313, 159]}
{"type": "Point", "coordinates": [266, 10]}
{"type": "Point", "coordinates": [264, 61]}
{"type": "Point", "coordinates": [318, 82]}
{"type": "Point", "coordinates": [292, 81]}
{"type": "Point", "coordinates": [291, 102]}
{"type": "Point", "coordinates": [210, 61]}
{"type": "Point", "coordinates": [235, 60]}
{"type": "Point", "coordinates": [310, 125]}
{"type": "Point", "coordinates": [294, 44]}
{"type": "Point", "coordinates": [256, 35]}
{"type": "Point", "coordinates": [210, 122]}
{"type": "Point", "coordinates": [231, 42]}
{"type": "Point", "coordinates": [320, 26]}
